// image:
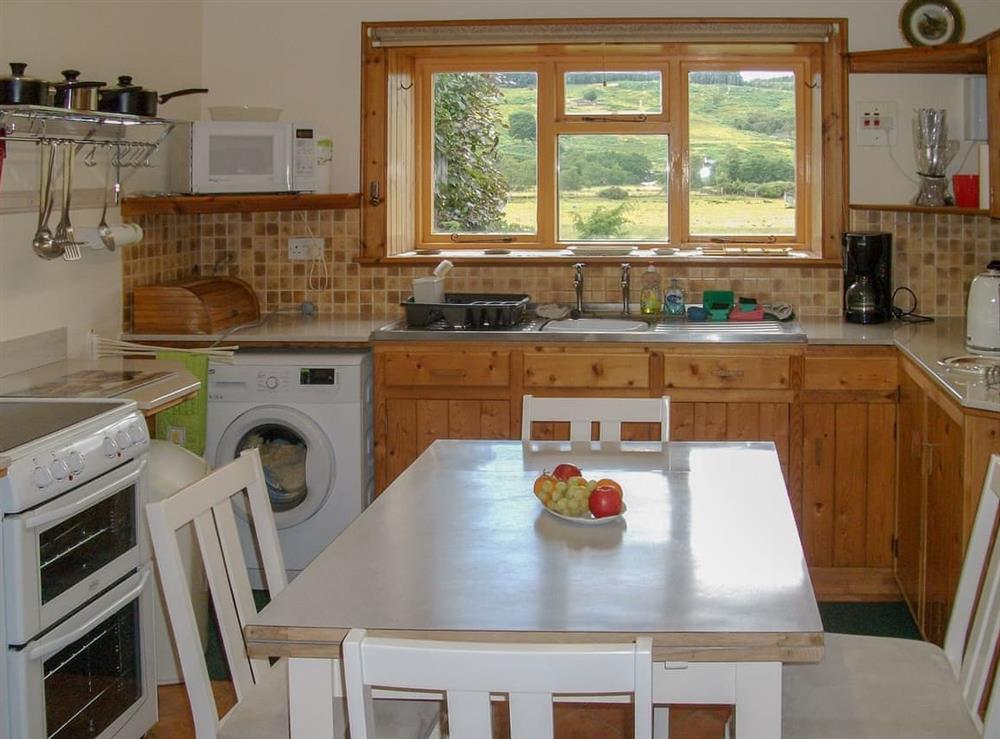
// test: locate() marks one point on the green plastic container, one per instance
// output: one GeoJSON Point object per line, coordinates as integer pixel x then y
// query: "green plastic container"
{"type": "Point", "coordinates": [718, 303]}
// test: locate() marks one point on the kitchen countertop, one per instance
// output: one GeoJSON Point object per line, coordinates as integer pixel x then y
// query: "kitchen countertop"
{"type": "Point", "coordinates": [284, 328]}
{"type": "Point", "coordinates": [163, 383]}
{"type": "Point", "coordinates": [924, 343]}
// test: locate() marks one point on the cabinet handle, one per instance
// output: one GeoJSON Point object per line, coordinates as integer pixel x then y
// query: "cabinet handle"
{"type": "Point", "coordinates": [728, 372]}
{"type": "Point", "coordinates": [928, 458]}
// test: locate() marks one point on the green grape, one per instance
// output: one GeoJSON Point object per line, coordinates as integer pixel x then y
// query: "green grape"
{"type": "Point", "coordinates": [591, 484]}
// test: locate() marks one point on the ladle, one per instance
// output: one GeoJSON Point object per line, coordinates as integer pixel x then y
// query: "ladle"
{"type": "Point", "coordinates": [44, 244]}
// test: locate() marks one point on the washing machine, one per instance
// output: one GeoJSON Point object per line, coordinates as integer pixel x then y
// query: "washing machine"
{"type": "Point", "coordinates": [310, 417]}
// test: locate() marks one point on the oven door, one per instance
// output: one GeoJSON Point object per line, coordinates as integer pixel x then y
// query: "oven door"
{"type": "Point", "coordinates": [91, 676]}
{"type": "Point", "coordinates": [59, 555]}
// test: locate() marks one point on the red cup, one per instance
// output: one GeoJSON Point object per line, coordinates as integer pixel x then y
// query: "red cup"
{"type": "Point", "coordinates": [966, 190]}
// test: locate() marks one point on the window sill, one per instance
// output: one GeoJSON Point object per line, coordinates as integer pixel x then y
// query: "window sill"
{"type": "Point", "coordinates": [549, 257]}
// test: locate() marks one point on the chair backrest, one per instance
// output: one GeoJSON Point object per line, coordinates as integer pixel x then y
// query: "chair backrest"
{"type": "Point", "coordinates": [609, 413]}
{"type": "Point", "coordinates": [208, 503]}
{"type": "Point", "coordinates": [467, 673]}
{"type": "Point", "coordinates": [974, 627]}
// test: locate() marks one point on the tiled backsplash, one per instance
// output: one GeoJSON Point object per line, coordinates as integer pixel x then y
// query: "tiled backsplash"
{"type": "Point", "coordinates": [935, 255]}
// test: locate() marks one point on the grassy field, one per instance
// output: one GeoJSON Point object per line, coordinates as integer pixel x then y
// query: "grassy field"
{"type": "Point", "coordinates": [750, 119]}
{"type": "Point", "coordinates": [647, 214]}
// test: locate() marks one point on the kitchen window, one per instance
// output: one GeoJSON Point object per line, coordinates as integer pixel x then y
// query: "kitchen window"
{"type": "Point", "coordinates": [540, 147]}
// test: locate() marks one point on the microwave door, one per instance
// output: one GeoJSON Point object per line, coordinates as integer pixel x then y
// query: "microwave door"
{"type": "Point", "coordinates": [249, 158]}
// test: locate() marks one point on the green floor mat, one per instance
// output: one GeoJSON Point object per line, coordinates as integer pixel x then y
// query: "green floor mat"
{"type": "Point", "coordinates": [870, 619]}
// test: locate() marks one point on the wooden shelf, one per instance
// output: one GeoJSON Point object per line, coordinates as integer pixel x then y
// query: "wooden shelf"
{"type": "Point", "coordinates": [196, 204]}
{"type": "Point", "coordinates": [944, 209]}
{"type": "Point", "coordinates": [950, 59]}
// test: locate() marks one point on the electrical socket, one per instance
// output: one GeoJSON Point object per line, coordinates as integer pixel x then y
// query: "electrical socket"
{"type": "Point", "coordinates": [876, 123]}
{"type": "Point", "coordinates": [304, 249]}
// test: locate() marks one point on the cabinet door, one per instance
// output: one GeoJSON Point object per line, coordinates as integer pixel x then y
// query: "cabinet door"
{"type": "Point", "coordinates": [413, 424]}
{"type": "Point", "coordinates": [910, 493]}
{"type": "Point", "coordinates": [847, 484]}
{"type": "Point", "coordinates": [732, 422]}
{"type": "Point", "coordinates": [944, 519]}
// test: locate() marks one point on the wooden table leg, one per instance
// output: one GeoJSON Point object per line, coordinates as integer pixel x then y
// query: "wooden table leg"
{"type": "Point", "coordinates": [758, 700]}
{"type": "Point", "coordinates": [314, 690]}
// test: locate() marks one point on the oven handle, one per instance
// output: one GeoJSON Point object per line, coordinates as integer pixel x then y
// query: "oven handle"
{"type": "Point", "coordinates": [40, 519]}
{"type": "Point", "coordinates": [45, 649]}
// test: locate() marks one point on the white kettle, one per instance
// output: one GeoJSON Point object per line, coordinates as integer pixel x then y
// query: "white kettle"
{"type": "Point", "coordinates": [982, 317]}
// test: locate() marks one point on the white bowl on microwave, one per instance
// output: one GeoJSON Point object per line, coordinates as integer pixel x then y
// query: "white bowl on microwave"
{"type": "Point", "coordinates": [243, 113]}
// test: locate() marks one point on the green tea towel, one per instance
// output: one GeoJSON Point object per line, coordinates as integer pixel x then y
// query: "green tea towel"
{"type": "Point", "coordinates": [184, 424]}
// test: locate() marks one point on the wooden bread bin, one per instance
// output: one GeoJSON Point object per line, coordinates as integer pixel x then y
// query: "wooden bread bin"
{"type": "Point", "coordinates": [207, 305]}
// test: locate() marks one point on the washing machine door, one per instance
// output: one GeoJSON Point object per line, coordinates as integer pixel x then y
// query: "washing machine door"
{"type": "Point", "coordinates": [298, 460]}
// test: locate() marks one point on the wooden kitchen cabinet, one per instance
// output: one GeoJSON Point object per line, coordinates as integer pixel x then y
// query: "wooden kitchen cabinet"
{"type": "Point", "coordinates": [422, 395]}
{"type": "Point", "coordinates": [932, 509]}
{"type": "Point", "coordinates": [848, 416]}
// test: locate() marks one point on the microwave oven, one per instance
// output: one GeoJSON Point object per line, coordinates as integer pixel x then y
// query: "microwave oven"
{"type": "Point", "coordinates": [242, 156]}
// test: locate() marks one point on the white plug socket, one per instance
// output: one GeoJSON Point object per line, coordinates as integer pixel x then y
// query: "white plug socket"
{"type": "Point", "coordinates": [304, 249]}
{"type": "Point", "coordinates": [876, 124]}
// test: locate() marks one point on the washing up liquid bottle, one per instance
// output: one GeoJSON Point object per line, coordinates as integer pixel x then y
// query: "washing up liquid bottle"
{"type": "Point", "coordinates": [649, 298]}
{"type": "Point", "coordinates": [674, 299]}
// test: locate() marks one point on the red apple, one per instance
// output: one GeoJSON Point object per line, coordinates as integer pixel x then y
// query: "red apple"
{"type": "Point", "coordinates": [604, 501]}
{"type": "Point", "coordinates": [565, 471]}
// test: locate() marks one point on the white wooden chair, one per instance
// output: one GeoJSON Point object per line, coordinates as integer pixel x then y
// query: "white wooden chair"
{"type": "Point", "coordinates": [467, 673]}
{"type": "Point", "coordinates": [610, 413]}
{"type": "Point", "coordinates": [881, 688]}
{"type": "Point", "coordinates": [261, 711]}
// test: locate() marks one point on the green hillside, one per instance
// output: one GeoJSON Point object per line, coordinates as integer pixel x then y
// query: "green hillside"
{"type": "Point", "coordinates": [742, 156]}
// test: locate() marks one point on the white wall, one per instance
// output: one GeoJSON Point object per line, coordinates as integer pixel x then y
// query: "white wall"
{"type": "Point", "coordinates": [159, 43]}
{"type": "Point", "coordinates": [304, 56]}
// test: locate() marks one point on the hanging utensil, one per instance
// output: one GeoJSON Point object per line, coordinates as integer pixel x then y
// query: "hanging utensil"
{"type": "Point", "coordinates": [103, 229]}
{"type": "Point", "coordinates": [64, 229]}
{"type": "Point", "coordinates": [44, 243]}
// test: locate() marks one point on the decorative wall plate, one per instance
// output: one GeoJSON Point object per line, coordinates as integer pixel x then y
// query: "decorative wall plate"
{"type": "Point", "coordinates": [931, 22]}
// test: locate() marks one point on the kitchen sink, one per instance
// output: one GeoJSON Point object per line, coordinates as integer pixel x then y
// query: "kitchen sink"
{"type": "Point", "coordinates": [594, 326]}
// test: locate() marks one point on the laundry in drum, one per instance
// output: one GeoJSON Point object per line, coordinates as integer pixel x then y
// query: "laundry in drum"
{"type": "Point", "coordinates": [284, 463]}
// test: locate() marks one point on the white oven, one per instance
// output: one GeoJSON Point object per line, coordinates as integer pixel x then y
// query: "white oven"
{"type": "Point", "coordinates": [61, 554]}
{"type": "Point", "coordinates": [77, 583]}
{"type": "Point", "coordinates": [92, 674]}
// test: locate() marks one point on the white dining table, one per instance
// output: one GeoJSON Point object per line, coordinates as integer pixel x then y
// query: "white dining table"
{"type": "Point", "coordinates": [706, 561]}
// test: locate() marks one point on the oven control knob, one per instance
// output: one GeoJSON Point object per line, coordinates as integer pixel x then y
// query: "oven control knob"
{"type": "Point", "coordinates": [42, 477]}
{"type": "Point", "coordinates": [137, 433]}
{"type": "Point", "coordinates": [75, 462]}
{"type": "Point", "coordinates": [271, 382]}
{"type": "Point", "coordinates": [121, 438]}
{"type": "Point", "coordinates": [59, 469]}
{"type": "Point", "coordinates": [109, 447]}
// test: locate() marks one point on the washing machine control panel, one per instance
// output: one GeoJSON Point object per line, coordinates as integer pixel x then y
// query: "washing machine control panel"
{"type": "Point", "coordinates": [318, 376]}
{"type": "Point", "coordinates": [273, 380]}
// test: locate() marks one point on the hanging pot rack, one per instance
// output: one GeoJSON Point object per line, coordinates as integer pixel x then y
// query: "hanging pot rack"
{"type": "Point", "coordinates": [134, 138]}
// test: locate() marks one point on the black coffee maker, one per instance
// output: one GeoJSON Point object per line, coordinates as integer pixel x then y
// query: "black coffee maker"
{"type": "Point", "coordinates": [867, 276]}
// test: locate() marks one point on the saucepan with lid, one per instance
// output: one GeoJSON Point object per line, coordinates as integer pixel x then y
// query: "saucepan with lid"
{"type": "Point", "coordinates": [136, 100]}
{"type": "Point", "coordinates": [76, 94]}
{"type": "Point", "coordinates": [20, 90]}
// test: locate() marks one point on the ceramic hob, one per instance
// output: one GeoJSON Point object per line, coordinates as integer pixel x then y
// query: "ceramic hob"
{"type": "Point", "coordinates": [24, 421]}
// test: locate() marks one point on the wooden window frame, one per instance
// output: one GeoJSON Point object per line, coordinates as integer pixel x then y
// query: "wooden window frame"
{"type": "Point", "coordinates": [391, 83]}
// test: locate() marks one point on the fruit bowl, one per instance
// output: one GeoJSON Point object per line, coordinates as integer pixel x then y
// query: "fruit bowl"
{"type": "Point", "coordinates": [589, 519]}
{"type": "Point", "coordinates": [567, 494]}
